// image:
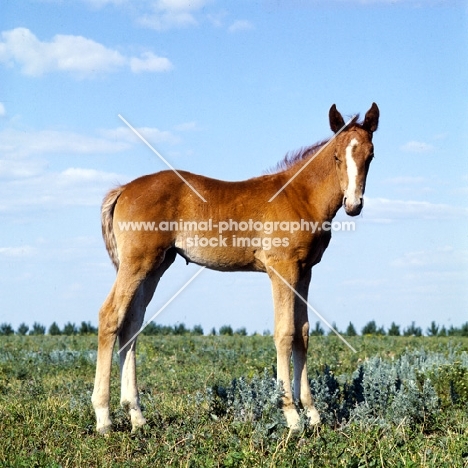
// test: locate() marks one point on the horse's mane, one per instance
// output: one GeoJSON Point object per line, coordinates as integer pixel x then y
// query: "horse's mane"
{"type": "Point", "coordinates": [293, 157]}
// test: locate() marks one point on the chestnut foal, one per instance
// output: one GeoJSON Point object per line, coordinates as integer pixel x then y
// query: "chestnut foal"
{"type": "Point", "coordinates": [144, 228]}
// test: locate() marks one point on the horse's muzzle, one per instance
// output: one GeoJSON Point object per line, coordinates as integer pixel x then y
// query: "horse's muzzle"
{"type": "Point", "coordinates": [353, 208]}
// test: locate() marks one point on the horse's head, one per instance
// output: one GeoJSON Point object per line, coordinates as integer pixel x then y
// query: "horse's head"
{"type": "Point", "coordinates": [353, 153]}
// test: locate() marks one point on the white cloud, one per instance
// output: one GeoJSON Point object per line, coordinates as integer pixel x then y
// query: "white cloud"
{"type": "Point", "coordinates": [365, 283]}
{"type": "Point", "coordinates": [167, 14]}
{"type": "Point", "coordinates": [77, 55]}
{"type": "Point", "coordinates": [27, 183]}
{"type": "Point", "coordinates": [76, 175]}
{"type": "Point", "coordinates": [103, 3]}
{"type": "Point", "coordinates": [20, 143]}
{"type": "Point", "coordinates": [412, 186]}
{"type": "Point", "coordinates": [162, 15]}
{"type": "Point", "coordinates": [17, 252]}
{"type": "Point", "coordinates": [414, 3]}
{"type": "Point", "coordinates": [14, 169]}
{"type": "Point", "coordinates": [440, 257]}
{"type": "Point", "coordinates": [150, 62]}
{"type": "Point", "coordinates": [187, 127]}
{"type": "Point", "coordinates": [386, 210]}
{"type": "Point", "coordinates": [71, 187]}
{"type": "Point", "coordinates": [416, 147]}
{"type": "Point", "coordinates": [167, 20]}
{"type": "Point", "coordinates": [2, 110]}
{"type": "Point", "coordinates": [181, 5]}
{"type": "Point", "coordinates": [16, 145]}
{"type": "Point", "coordinates": [151, 134]}
{"type": "Point", "coordinates": [406, 180]}
{"type": "Point", "coordinates": [240, 25]}
{"type": "Point", "coordinates": [217, 19]}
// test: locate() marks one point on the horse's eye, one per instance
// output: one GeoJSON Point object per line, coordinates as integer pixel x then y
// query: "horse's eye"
{"type": "Point", "coordinates": [337, 159]}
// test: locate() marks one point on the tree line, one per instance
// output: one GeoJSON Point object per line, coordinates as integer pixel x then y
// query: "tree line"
{"type": "Point", "coordinates": [152, 329]}
{"type": "Point", "coordinates": [371, 328]}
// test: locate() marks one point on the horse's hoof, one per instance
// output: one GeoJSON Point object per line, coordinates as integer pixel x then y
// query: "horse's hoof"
{"type": "Point", "coordinates": [313, 416]}
{"type": "Point", "coordinates": [104, 430]}
{"type": "Point", "coordinates": [293, 420]}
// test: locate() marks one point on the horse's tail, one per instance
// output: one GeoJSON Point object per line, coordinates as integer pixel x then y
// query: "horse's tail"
{"type": "Point", "coordinates": [107, 222]}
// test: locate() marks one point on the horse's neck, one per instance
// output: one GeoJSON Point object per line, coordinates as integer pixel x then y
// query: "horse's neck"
{"type": "Point", "coordinates": [318, 184]}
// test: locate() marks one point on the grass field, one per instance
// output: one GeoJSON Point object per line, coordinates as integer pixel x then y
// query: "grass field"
{"type": "Point", "coordinates": [46, 418]}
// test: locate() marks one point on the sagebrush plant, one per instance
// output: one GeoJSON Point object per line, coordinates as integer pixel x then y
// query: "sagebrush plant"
{"type": "Point", "coordinates": [257, 401]}
{"type": "Point", "coordinates": [393, 397]}
{"type": "Point", "coordinates": [405, 391]}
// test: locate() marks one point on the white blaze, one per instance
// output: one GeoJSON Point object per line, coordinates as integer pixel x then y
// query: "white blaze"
{"type": "Point", "coordinates": [351, 166]}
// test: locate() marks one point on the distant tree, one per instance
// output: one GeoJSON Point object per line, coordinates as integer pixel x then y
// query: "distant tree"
{"type": "Point", "coordinates": [331, 332]}
{"type": "Point", "coordinates": [452, 331]}
{"type": "Point", "coordinates": [180, 329]}
{"type": "Point", "coordinates": [464, 329]}
{"type": "Point", "coordinates": [37, 329]}
{"type": "Point", "coordinates": [266, 333]}
{"type": "Point", "coordinates": [433, 330]}
{"type": "Point", "coordinates": [394, 330]}
{"type": "Point", "coordinates": [87, 329]}
{"type": "Point", "coordinates": [70, 329]}
{"type": "Point", "coordinates": [241, 331]}
{"type": "Point", "coordinates": [54, 330]}
{"type": "Point", "coordinates": [226, 330]}
{"type": "Point", "coordinates": [22, 329]}
{"type": "Point", "coordinates": [6, 329]}
{"type": "Point", "coordinates": [442, 331]}
{"type": "Point", "coordinates": [317, 331]}
{"type": "Point", "coordinates": [369, 328]}
{"type": "Point", "coordinates": [151, 329]}
{"type": "Point", "coordinates": [350, 330]}
{"type": "Point", "coordinates": [197, 330]}
{"type": "Point", "coordinates": [213, 332]}
{"type": "Point", "coordinates": [412, 330]}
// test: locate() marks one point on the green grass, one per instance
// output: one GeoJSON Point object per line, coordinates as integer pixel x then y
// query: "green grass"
{"type": "Point", "coordinates": [46, 418]}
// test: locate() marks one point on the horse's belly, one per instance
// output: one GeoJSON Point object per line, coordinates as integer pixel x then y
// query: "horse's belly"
{"type": "Point", "coordinates": [218, 253]}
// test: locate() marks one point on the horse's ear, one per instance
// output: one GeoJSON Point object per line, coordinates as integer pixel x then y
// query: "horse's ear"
{"type": "Point", "coordinates": [371, 120]}
{"type": "Point", "coordinates": [336, 120]}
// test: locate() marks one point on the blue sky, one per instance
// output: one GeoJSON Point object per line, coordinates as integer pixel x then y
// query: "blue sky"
{"type": "Point", "coordinates": [225, 89]}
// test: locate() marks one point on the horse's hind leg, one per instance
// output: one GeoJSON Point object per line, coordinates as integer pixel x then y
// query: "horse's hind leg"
{"type": "Point", "coordinates": [127, 341]}
{"type": "Point", "coordinates": [112, 315]}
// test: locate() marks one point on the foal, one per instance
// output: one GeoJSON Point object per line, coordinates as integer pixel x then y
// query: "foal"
{"type": "Point", "coordinates": [260, 225]}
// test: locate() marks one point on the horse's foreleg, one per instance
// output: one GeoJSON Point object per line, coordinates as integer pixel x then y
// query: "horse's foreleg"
{"type": "Point", "coordinates": [283, 299]}
{"type": "Point", "coordinates": [302, 391]}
